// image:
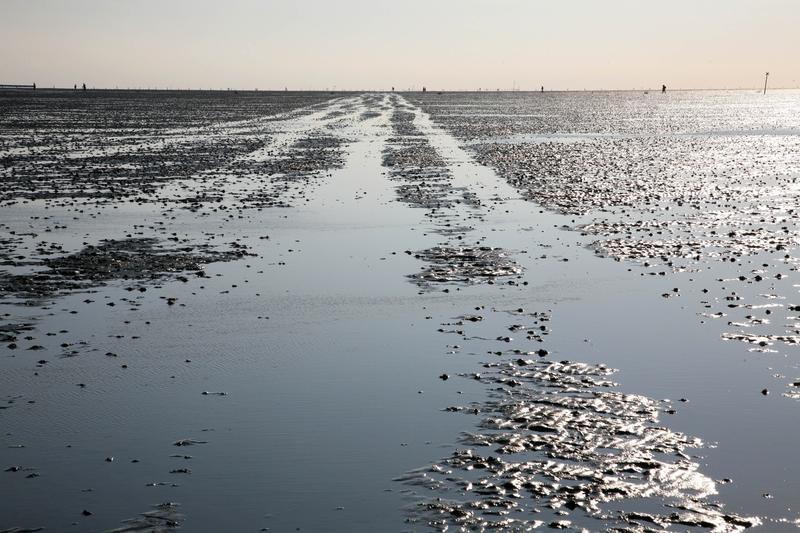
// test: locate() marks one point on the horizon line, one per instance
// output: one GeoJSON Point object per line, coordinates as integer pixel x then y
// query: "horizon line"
{"type": "Point", "coordinates": [28, 87]}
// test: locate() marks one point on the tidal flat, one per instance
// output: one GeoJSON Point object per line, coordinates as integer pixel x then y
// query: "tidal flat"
{"type": "Point", "coordinates": [283, 311]}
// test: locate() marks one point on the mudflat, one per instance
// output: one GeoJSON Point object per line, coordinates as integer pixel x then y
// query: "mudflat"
{"type": "Point", "coordinates": [318, 311]}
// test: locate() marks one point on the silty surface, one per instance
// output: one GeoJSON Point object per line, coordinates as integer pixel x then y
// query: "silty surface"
{"type": "Point", "coordinates": [342, 349]}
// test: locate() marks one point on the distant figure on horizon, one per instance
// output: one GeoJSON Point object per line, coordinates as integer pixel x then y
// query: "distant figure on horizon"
{"type": "Point", "coordinates": [424, 89]}
{"type": "Point", "coordinates": [392, 89]}
{"type": "Point", "coordinates": [34, 86]}
{"type": "Point", "coordinates": [75, 87]}
{"type": "Point", "coordinates": [663, 89]}
{"type": "Point", "coordinates": [542, 88]}
{"type": "Point", "coordinates": [84, 86]}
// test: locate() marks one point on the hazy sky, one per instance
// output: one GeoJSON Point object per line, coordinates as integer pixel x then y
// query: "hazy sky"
{"type": "Point", "coordinates": [444, 44]}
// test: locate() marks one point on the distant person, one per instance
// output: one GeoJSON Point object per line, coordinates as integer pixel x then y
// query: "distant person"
{"type": "Point", "coordinates": [34, 86]}
{"type": "Point", "coordinates": [84, 86]}
{"type": "Point", "coordinates": [663, 89]}
{"type": "Point", "coordinates": [542, 88]}
{"type": "Point", "coordinates": [75, 87]}
{"type": "Point", "coordinates": [424, 89]}
{"type": "Point", "coordinates": [392, 89]}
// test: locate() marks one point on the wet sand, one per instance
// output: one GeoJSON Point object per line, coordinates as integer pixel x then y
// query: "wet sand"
{"type": "Point", "coordinates": [398, 312]}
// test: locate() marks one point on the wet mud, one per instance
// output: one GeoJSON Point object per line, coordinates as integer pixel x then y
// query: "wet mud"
{"type": "Point", "coordinates": [119, 144]}
{"type": "Point", "coordinates": [426, 181]}
{"type": "Point", "coordinates": [68, 162]}
{"type": "Point", "coordinates": [252, 310]}
{"type": "Point", "coordinates": [555, 444]}
{"type": "Point", "coordinates": [164, 517]}
{"type": "Point", "coordinates": [465, 264]}
{"type": "Point", "coordinates": [697, 193]}
{"type": "Point", "coordinates": [129, 259]}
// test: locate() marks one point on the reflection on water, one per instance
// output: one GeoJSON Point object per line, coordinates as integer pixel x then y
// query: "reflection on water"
{"type": "Point", "coordinates": [301, 380]}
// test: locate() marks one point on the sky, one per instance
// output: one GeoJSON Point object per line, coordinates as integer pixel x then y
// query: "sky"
{"type": "Point", "coordinates": [377, 44]}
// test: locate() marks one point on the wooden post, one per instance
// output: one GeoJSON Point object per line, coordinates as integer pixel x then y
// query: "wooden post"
{"type": "Point", "coordinates": [765, 82]}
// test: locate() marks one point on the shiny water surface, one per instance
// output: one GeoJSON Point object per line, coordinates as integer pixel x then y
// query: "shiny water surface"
{"type": "Point", "coordinates": [399, 312]}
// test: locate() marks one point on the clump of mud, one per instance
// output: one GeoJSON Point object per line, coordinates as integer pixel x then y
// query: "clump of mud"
{"type": "Point", "coordinates": [403, 122]}
{"type": "Point", "coordinates": [465, 264]}
{"type": "Point", "coordinates": [162, 518]}
{"type": "Point", "coordinates": [417, 154]}
{"type": "Point", "coordinates": [126, 259]}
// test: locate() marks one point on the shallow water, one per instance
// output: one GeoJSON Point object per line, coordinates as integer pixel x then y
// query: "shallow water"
{"type": "Point", "coordinates": [329, 348]}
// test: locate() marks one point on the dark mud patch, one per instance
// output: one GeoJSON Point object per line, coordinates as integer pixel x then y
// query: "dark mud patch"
{"type": "Point", "coordinates": [162, 518]}
{"type": "Point", "coordinates": [425, 188]}
{"type": "Point", "coordinates": [319, 142]}
{"type": "Point", "coordinates": [286, 175]}
{"type": "Point", "coordinates": [107, 146]}
{"type": "Point", "coordinates": [197, 202]}
{"type": "Point", "coordinates": [12, 332]}
{"type": "Point", "coordinates": [418, 154]}
{"type": "Point", "coordinates": [128, 259]}
{"type": "Point", "coordinates": [7, 248]}
{"type": "Point", "coordinates": [367, 115]}
{"type": "Point", "coordinates": [403, 122]}
{"type": "Point", "coordinates": [481, 264]}
{"type": "Point", "coordinates": [303, 159]}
